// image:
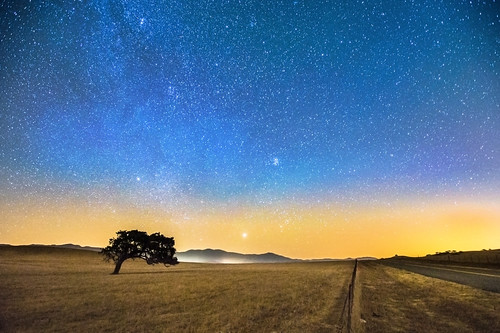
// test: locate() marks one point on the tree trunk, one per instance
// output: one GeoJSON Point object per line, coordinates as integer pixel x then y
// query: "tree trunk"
{"type": "Point", "coordinates": [118, 266]}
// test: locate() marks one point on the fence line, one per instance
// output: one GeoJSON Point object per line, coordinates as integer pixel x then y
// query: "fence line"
{"type": "Point", "coordinates": [346, 315]}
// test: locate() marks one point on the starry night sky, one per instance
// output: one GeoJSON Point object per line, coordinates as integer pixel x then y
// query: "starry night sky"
{"type": "Point", "coordinates": [171, 115]}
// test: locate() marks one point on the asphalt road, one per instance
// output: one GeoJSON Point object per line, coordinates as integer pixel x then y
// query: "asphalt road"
{"type": "Point", "coordinates": [481, 278]}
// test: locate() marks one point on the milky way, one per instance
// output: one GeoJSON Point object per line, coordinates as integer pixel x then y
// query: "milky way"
{"type": "Point", "coordinates": [167, 103]}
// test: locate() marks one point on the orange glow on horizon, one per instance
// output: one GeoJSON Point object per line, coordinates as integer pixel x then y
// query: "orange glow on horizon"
{"type": "Point", "coordinates": [292, 230]}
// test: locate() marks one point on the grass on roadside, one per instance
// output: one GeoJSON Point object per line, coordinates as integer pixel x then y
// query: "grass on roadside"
{"type": "Point", "coordinates": [395, 300]}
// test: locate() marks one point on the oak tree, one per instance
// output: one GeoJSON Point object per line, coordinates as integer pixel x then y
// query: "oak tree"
{"type": "Point", "coordinates": [135, 244]}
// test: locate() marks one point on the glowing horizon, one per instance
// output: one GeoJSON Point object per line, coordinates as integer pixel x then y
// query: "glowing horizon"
{"type": "Point", "coordinates": [361, 230]}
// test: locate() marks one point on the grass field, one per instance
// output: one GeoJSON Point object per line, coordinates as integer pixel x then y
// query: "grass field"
{"type": "Point", "coordinates": [63, 290]}
{"type": "Point", "coordinates": [395, 300]}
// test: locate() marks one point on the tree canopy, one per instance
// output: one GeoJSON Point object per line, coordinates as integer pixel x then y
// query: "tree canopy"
{"type": "Point", "coordinates": [135, 244]}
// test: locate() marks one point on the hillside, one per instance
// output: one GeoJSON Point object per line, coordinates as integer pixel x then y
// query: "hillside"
{"type": "Point", "coordinates": [199, 256]}
{"type": "Point", "coordinates": [488, 257]}
{"type": "Point", "coordinates": [221, 256]}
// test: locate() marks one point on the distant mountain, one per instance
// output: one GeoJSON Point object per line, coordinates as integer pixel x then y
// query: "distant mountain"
{"type": "Point", "coordinates": [345, 259]}
{"type": "Point", "coordinates": [214, 256]}
{"type": "Point", "coordinates": [78, 247]}
{"type": "Point", "coordinates": [223, 257]}
{"type": "Point", "coordinates": [366, 258]}
{"type": "Point", "coordinates": [71, 246]}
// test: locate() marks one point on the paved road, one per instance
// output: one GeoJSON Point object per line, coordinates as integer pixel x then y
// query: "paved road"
{"type": "Point", "coordinates": [481, 278]}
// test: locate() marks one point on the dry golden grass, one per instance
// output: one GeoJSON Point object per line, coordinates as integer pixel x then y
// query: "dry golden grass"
{"type": "Point", "coordinates": [394, 300]}
{"type": "Point", "coordinates": [55, 290]}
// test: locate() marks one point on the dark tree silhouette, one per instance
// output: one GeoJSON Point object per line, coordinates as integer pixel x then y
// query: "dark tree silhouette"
{"type": "Point", "coordinates": [154, 248]}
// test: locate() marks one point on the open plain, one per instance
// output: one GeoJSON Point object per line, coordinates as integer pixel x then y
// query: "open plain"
{"type": "Point", "coordinates": [60, 290]}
